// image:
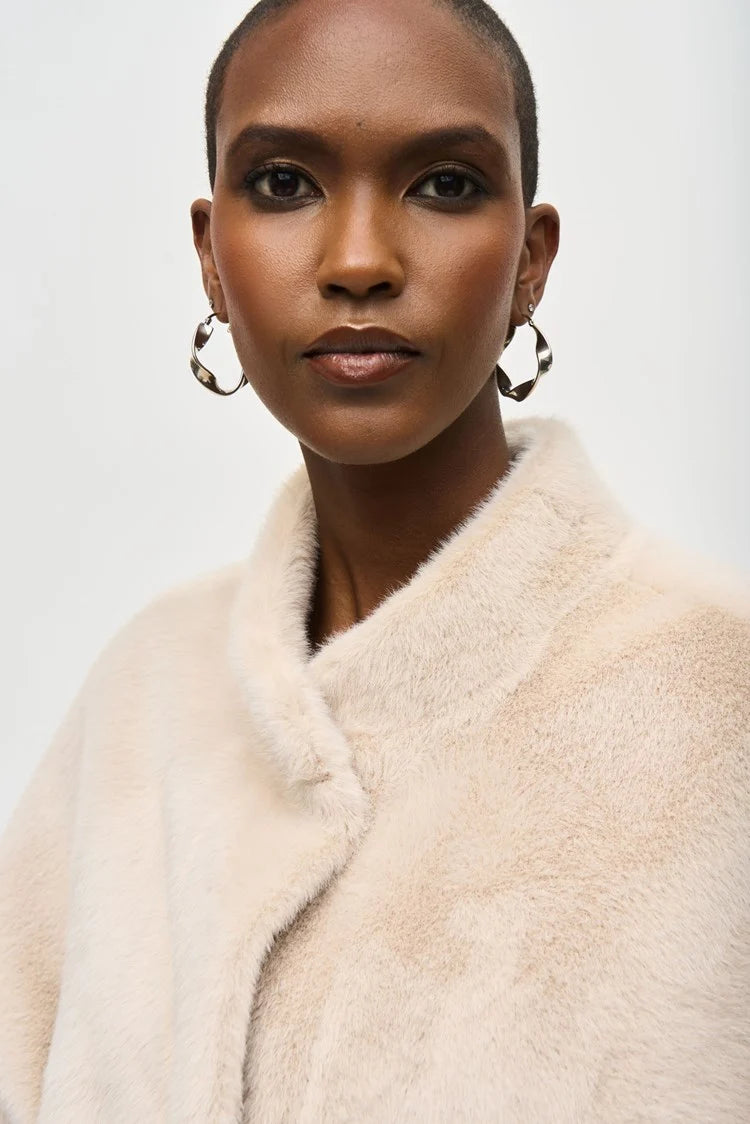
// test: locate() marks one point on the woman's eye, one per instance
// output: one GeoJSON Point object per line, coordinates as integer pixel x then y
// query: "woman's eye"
{"type": "Point", "coordinates": [450, 184]}
{"type": "Point", "coordinates": [282, 182]}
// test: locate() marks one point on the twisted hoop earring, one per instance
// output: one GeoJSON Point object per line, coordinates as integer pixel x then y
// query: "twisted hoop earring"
{"type": "Point", "coordinates": [544, 362]}
{"type": "Point", "coordinates": [201, 337]}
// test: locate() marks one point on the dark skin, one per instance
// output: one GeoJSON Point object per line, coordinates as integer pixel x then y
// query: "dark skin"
{"type": "Point", "coordinates": [364, 234]}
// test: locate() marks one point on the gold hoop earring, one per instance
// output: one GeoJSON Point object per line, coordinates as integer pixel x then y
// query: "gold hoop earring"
{"type": "Point", "coordinates": [544, 362]}
{"type": "Point", "coordinates": [205, 377]}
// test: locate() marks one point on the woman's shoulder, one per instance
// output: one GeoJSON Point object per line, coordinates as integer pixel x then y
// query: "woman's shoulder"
{"type": "Point", "coordinates": [654, 683]}
{"type": "Point", "coordinates": [655, 590]}
{"type": "Point", "coordinates": [690, 577]}
{"type": "Point", "coordinates": [180, 610]}
{"type": "Point", "coordinates": [186, 620]}
{"type": "Point", "coordinates": [696, 600]}
{"type": "Point", "coordinates": [674, 626]}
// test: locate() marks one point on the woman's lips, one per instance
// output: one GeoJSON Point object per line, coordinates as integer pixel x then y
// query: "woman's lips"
{"type": "Point", "coordinates": [353, 368]}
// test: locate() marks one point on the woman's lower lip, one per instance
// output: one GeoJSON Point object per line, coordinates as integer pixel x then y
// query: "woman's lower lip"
{"type": "Point", "coordinates": [350, 368]}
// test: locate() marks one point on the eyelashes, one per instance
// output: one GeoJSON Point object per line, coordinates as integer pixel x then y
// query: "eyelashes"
{"type": "Point", "coordinates": [286, 178]}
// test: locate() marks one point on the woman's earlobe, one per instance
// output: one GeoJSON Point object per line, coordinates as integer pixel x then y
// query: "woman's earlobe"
{"type": "Point", "coordinates": [215, 297]}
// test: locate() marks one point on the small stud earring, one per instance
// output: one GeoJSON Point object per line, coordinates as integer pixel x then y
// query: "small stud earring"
{"type": "Point", "coordinates": [211, 302]}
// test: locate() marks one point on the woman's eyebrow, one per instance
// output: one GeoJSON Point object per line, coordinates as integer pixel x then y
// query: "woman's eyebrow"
{"type": "Point", "coordinates": [410, 147]}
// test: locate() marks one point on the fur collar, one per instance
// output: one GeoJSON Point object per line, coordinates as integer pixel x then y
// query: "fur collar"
{"type": "Point", "coordinates": [522, 559]}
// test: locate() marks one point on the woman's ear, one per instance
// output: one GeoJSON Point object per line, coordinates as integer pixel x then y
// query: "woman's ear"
{"type": "Point", "coordinates": [200, 215]}
{"type": "Point", "coordinates": [540, 248]}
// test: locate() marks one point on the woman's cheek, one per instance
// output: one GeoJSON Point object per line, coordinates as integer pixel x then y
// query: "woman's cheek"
{"type": "Point", "coordinates": [475, 292]}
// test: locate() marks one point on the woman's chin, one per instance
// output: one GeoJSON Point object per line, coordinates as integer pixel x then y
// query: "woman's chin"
{"type": "Point", "coordinates": [371, 444]}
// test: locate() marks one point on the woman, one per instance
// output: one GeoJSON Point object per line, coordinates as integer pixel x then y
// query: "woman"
{"type": "Point", "coordinates": [436, 808]}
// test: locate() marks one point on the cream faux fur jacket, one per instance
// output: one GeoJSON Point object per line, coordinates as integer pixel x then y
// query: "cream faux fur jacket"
{"type": "Point", "coordinates": [484, 857]}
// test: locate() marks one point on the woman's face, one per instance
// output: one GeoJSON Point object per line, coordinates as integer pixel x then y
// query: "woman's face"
{"type": "Point", "coordinates": [369, 222]}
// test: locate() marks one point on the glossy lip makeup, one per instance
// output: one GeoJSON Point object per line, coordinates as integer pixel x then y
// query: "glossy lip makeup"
{"type": "Point", "coordinates": [354, 368]}
{"type": "Point", "coordinates": [352, 355]}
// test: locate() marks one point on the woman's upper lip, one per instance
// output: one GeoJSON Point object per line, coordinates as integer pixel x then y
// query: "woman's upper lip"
{"type": "Point", "coordinates": [350, 338]}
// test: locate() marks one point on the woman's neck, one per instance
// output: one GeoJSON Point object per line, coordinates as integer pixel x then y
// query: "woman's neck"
{"type": "Point", "coordinates": [378, 522]}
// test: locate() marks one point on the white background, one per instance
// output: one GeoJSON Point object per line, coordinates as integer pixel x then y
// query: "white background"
{"type": "Point", "coordinates": [122, 476]}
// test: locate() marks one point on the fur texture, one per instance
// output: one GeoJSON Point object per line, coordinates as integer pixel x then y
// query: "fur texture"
{"type": "Point", "coordinates": [484, 857]}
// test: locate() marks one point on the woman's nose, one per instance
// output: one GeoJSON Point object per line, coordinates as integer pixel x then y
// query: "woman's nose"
{"type": "Point", "coordinates": [360, 255]}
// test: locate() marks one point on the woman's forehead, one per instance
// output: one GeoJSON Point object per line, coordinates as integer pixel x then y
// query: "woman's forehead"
{"type": "Point", "coordinates": [385, 67]}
